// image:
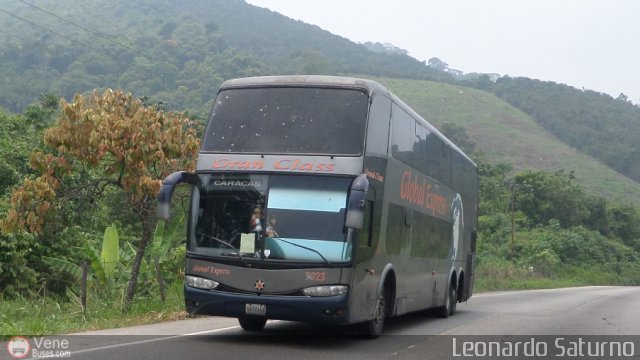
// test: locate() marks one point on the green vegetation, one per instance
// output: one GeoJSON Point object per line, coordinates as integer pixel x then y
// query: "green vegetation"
{"type": "Point", "coordinates": [59, 315]}
{"type": "Point", "coordinates": [540, 229]}
{"type": "Point", "coordinates": [550, 214]}
{"type": "Point", "coordinates": [70, 234]}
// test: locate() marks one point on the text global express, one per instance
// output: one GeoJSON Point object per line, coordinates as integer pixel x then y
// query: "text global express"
{"type": "Point", "coordinates": [417, 190]}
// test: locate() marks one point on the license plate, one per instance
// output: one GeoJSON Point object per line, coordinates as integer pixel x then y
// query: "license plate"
{"type": "Point", "coordinates": [255, 309]}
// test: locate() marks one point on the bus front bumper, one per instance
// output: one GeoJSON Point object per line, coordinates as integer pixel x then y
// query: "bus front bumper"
{"type": "Point", "coordinates": [323, 310]}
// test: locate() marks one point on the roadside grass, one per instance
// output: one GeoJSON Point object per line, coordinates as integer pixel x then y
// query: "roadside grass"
{"type": "Point", "coordinates": [523, 283]}
{"type": "Point", "coordinates": [506, 276]}
{"type": "Point", "coordinates": [47, 316]}
{"type": "Point", "coordinates": [502, 275]}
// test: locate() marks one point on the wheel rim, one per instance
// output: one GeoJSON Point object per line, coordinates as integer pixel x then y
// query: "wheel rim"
{"type": "Point", "coordinates": [453, 298]}
{"type": "Point", "coordinates": [447, 301]}
{"type": "Point", "coordinates": [378, 318]}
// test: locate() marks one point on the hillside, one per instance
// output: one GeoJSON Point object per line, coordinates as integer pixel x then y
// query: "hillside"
{"type": "Point", "coordinates": [594, 123]}
{"type": "Point", "coordinates": [177, 54]}
{"type": "Point", "coordinates": [503, 133]}
{"type": "Point", "coordinates": [174, 52]}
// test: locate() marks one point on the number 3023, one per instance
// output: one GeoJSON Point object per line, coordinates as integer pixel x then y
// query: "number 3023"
{"type": "Point", "coordinates": [315, 276]}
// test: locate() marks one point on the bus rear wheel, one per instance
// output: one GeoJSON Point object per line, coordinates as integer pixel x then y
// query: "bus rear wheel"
{"type": "Point", "coordinates": [449, 307]}
{"type": "Point", "coordinates": [252, 323]}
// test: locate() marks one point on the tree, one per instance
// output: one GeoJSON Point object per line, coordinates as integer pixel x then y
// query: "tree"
{"type": "Point", "coordinates": [544, 196]}
{"type": "Point", "coordinates": [438, 64]}
{"type": "Point", "coordinates": [111, 140]}
{"type": "Point", "coordinates": [311, 62]}
{"type": "Point", "coordinates": [494, 191]}
{"type": "Point", "coordinates": [622, 97]}
{"type": "Point", "coordinates": [624, 220]}
{"type": "Point", "coordinates": [458, 135]}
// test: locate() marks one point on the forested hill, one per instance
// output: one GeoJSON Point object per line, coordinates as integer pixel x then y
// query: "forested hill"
{"type": "Point", "coordinates": [594, 123]}
{"type": "Point", "coordinates": [177, 52]}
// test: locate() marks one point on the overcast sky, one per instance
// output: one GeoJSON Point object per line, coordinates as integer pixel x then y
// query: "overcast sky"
{"type": "Point", "coordinates": [593, 44]}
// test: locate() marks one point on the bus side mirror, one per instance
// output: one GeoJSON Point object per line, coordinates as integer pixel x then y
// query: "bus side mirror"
{"type": "Point", "coordinates": [166, 191]}
{"type": "Point", "coordinates": [355, 206]}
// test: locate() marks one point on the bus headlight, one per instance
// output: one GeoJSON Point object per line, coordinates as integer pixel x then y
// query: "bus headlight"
{"type": "Point", "coordinates": [325, 290]}
{"type": "Point", "coordinates": [200, 283]}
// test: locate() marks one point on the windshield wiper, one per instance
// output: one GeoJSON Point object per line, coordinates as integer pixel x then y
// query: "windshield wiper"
{"type": "Point", "coordinates": [303, 247]}
{"type": "Point", "coordinates": [225, 243]}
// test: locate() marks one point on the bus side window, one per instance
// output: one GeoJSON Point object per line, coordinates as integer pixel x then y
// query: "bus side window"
{"type": "Point", "coordinates": [364, 250]}
{"type": "Point", "coordinates": [378, 128]}
{"type": "Point", "coordinates": [408, 217]}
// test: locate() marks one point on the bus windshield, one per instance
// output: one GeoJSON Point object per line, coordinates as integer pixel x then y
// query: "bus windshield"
{"type": "Point", "coordinates": [270, 218]}
{"type": "Point", "coordinates": [288, 120]}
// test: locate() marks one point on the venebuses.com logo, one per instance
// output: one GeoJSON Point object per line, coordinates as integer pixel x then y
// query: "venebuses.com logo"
{"type": "Point", "coordinates": [20, 347]}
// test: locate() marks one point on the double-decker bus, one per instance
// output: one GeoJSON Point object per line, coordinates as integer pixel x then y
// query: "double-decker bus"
{"type": "Point", "coordinates": [327, 200]}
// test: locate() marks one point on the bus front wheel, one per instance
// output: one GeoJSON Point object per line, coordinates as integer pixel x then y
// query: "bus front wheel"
{"type": "Point", "coordinates": [373, 328]}
{"type": "Point", "coordinates": [252, 323]}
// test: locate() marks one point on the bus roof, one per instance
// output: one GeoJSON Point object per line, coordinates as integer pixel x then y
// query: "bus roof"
{"type": "Point", "coordinates": [336, 82]}
{"type": "Point", "coordinates": [306, 80]}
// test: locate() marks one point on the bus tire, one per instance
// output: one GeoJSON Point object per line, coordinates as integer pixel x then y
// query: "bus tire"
{"type": "Point", "coordinates": [449, 307]}
{"type": "Point", "coordinates": [371, 329]}
{"type": "Point", "coordinates": [252, 323]}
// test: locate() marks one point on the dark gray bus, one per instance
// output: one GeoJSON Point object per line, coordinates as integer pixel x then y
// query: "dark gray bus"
{"type": "Point", "coordinates": [327, 200]}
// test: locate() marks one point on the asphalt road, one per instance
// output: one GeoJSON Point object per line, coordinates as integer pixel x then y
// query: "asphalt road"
{"type": "Point", "coordinates": [557, 321]}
